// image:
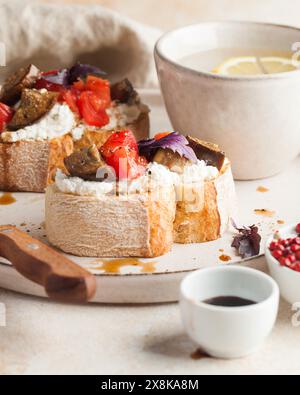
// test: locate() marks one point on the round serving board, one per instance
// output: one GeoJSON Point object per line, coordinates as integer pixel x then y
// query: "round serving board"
{"type": "Point", "coordinates": [157, 280]}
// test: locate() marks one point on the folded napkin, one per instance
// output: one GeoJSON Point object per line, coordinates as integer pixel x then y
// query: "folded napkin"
{"type": "Point", "coordinates": [52, 36]}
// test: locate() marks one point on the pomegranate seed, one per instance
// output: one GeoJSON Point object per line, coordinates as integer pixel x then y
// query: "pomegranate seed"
{"type": "Point", "coordinates": [274, 245]}
{"type": "Point", "coordinates": [284, 261]}
{"type": "Point", "coordinates": [297, 240]}
{"type": "Point", "coordinates": [292, 258]}
{"type": "Point", "coordinates": [277, 254]}
{"type": "Point", "coordinates": [285, 243]}
{"type": "Point", "coordinates": [298, 255]}
{"type": "Point", "coordinates": [287, 251]}
{"type": "Point", "coordinates": [295, 247]}
{"type": "Point", "coordinates": [298, 228]}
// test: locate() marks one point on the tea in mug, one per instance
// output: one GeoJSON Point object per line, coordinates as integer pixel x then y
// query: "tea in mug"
{"type": "Point", "coordinates": [242, 62]}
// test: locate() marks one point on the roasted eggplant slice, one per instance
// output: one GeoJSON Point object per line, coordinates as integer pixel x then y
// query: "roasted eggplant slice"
{"type": "Point", "coordinates": [85, 163]}
{"type": "Point", "coordinates": [13, 86]}
{"type": "Point", "coordinates": [124, 92]}
{"type": "Point", "coordinates": [208, 152]}
{"type": "Point", "coordinates": [171, 159]}
{"type": "Point", "coordinates": [34, 104]}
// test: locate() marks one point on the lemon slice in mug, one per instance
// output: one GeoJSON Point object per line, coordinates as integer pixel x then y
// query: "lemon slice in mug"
{"type": "Point", "coordinates": [252, 65]}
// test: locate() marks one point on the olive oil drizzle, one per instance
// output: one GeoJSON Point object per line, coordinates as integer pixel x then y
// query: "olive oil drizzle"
{"type": "Point", "coordinates": [6, 199]}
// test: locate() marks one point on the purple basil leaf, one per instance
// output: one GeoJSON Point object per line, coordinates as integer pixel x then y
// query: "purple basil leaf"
{"type": "Point", "coordinates": [245, 248]}
{"type": "Point", "coordinates": [173, 141]}
{"type": "Point", "coordinates": [61, 78]}
{"type": "Point", "coordinates": [80, 70]}
{"type": "Point", "coordinates": [247, 242]}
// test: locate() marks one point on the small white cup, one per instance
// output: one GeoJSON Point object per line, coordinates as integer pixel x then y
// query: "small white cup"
{"type": "Point", "coordinates": [229, 332]}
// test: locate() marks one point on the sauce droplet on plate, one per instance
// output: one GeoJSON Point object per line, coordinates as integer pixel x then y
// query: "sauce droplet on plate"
{"type": "Point", "coordinates": [225, 258]}
{"type": "Point", "coordinates": [263, 190]}
{"type": "Point", "coordinates": [6, 199]}
{"type": "Point", "coordinates": [264, 212]}
{"type": "Point", "coordinates": [114, 266]}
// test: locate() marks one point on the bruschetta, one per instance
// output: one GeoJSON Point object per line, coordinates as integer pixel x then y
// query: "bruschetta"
{"type": "Point", "coordinates": [44, 116]}
{"type": "Point", "coordinates": [136, 199]}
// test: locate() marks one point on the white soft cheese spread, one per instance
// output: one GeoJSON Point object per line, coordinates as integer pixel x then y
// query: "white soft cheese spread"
{"type": "Point", "coordinates": [78, 131]}
{"type": "Point", "coordinates": [58, 121]}
{"type": "Point", "coordinates": [156, 176]}
{"type": "Point", "coordinates": [78, 186]}
{"type": "Point", "coordinates": [198, 171]}
{"type": "Point", "coordinates": [121, 115]}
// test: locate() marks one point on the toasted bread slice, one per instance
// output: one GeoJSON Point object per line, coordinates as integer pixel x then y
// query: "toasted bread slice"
{"type": "Point", "coordinates": [138, 226]}
{"type": "Point", "coordinates": [29, 166]}
{"type": "Point", "coordinates": [204, 209]}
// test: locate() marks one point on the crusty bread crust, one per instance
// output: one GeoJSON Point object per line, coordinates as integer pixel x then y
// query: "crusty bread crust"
{"type": "Point", "coordinates": [27, 166]}
{"type": "Point", "coordinates": [138, 226]}
{"type": "Point", "coordinates": [205, 210]}
{"type": "Point", "coordinates": [140, 128]}
{"type": "Point", "coordinates": [143, 225]}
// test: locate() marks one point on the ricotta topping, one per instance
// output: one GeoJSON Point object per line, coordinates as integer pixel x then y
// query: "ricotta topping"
{"type": "Point", "coordinates": [60, 120]}
{"type": "Point", "coordinates": [78, 186]}
{"type": "Point", "coordinates": [198, 171]}
{"type": "Point", "coordinates": [121, 115]}
{"type": "Point", "coordinates": [78, 131]}
{"type": "Point", "coordinates": [156, 176]}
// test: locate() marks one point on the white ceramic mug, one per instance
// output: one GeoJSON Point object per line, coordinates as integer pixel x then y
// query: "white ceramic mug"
{"type": "Point", "coordinates": [255, 119]}
{"type": "Point", "coordinates": [229, 332]}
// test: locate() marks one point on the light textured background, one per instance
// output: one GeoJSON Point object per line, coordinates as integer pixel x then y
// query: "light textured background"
{"type": "Point", "coordinates": [167, 14]}
{"type": "Point", "coordinates": [47, 337]}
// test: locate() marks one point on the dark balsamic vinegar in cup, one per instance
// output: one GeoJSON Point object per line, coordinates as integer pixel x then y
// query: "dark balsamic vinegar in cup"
{"type": "Point", "coordinates": [229, 301]}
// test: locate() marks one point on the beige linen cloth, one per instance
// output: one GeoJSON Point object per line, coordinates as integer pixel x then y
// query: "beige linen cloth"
{"type": "Point", "coordinates": [52, 36]}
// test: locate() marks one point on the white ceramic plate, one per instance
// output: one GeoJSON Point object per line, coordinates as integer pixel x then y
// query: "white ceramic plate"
{"type": "Point", "coordinates": [157, 280]}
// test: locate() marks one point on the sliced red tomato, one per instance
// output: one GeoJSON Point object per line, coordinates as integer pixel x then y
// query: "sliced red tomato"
{"type": "Point", "coordinates": [159, 136]}
{"type": "Point", "coordinates": [70, 98]}
{"type": "Point", "coordinates": [123, 138]}
{"type": "Point", "coordinates": [88, 99]}
{"type": "Point", "coordinates": [6, 114]}
{"type": "Point", "coordinates": [101, 88]}
{"type": "Point", "coordinates": [79, 85]}
{"type": "Point", "coordinates": [89, 113]}
{"type": "Point", "coordinates": [125, 164]}
{"type": "Point", "coordinates": [96, 101]}
{"type": "Point", "coordinates": [121, 152]}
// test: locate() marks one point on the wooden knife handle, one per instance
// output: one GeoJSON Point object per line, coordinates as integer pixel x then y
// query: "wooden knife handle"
{"type": "Point", "coordinates": [62, 279]}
